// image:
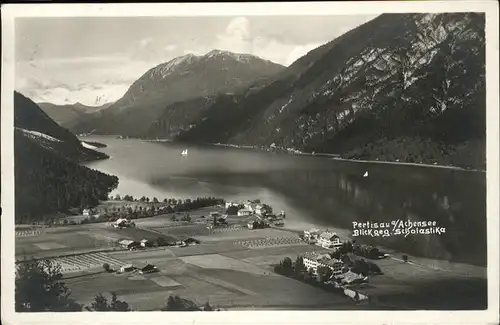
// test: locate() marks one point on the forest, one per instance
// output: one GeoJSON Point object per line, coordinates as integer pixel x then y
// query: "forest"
{"type": "Point", "coordinates": [46, 182]}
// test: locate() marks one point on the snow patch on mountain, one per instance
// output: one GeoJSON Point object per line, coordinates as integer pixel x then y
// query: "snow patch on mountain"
{"type": "Point", "coordinates": [37, 135]}
{"type": "Point", "coordinates": [165, 69]}
{"type": "Point", "coordinates": [88, 146]}
{"type": "Point", "coordinates": [88, 95]}
{"type": "Point", "coordinates": [243, 58]}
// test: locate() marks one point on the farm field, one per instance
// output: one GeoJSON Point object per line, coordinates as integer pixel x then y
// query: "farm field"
{"type": "Point", "coordinates": [59, 241]}
{"type": "Point", "coordinates": [227, 282]}
{"type": "Point", "coordinates": [231, 268]}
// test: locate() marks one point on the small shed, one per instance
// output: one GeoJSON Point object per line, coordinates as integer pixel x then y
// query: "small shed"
{"type": "Point", "coordinates": [146, 243]}
{"type": "Point", "coordinates": [244, 212]}
{"type": "Point", "coordinates": [129, 244]}
{"type": "Point", "coordinates": [192, 241]}
{"type": "Point", "coordinates": [127, 268]}
{"type": "Point", "coordinates": [148, 268]}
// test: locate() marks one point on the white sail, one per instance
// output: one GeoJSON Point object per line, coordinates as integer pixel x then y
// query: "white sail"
{"type": "Point", "coordinates": [366, 174]}
{"type": "Point", "coordinates": [184, 152]}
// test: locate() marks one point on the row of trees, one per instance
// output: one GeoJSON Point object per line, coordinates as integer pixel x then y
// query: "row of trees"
{"type": "Point", "coordinates": [153, 210]}
{"type": "Point", "coordinates": [170, 201]}
{"type": "Point", "coordinates": [39, 287]}
{"type": "Point", "coordinates": [367, 251]}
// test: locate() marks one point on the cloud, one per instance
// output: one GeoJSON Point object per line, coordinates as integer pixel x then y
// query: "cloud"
{"type": "Point", "coordinates": [145, 42]}
{"type": "Point", "coordinates": [238, 37]}
{"type": "Point", "coordinates": [121, 57]}
{"type": "Point", "coordinates": [299, 51]}
{"type": "Point", "coordinates": [78, 79]}
{"type": "Point", "coordinates": [171, 47]}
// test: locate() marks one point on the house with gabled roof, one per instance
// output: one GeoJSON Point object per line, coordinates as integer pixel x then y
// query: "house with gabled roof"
{"type": "Point", "coordinates": [314, 261]}
{"type": "Point", "coordinates": [329, 239]}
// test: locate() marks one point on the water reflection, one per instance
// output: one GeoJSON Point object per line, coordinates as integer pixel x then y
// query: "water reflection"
{"type": "Point", "coordinates": [320, 190]}
{"type": "Point", "coordinates": [334, 199]}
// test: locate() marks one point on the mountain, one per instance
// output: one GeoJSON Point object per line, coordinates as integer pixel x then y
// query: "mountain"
{"type": "Point", "coordinates": [183, 78]}
{"type": "Point", "coordinates": [48, 177]}
{"type": "Point", "coordinates": [89, 94]}
{"type": "Point", "coordinates": [69, 115]}
{"type": "Point", "coordinates": [396, 87]}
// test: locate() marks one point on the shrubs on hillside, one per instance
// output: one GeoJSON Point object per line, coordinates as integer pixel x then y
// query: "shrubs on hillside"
{"type": "Point", "coordinates": [39, 287]}
{"type": "Point", "coordinates": [422, 150]}
{"type": "Point", "coordinates": [47, 183]}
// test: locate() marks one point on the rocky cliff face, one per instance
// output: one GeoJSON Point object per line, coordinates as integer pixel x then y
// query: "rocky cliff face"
{"type": "Point", "coordinates": [407, 80]}
{"type": "Point", "coordinates": [180, 79]}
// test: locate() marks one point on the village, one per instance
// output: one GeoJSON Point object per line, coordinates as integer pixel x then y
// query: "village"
{"type": "Point", "coordinates": [236, 255]}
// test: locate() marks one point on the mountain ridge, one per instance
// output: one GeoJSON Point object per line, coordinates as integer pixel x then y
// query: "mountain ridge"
{"type": "Point", "coordinates": [179, 79]}
{"type": "Point", "coordinates": [397, 76]}
{"type": "Point", "coordinates": [48, 176]}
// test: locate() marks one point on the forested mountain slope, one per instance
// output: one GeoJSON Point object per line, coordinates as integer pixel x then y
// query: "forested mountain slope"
{"type": "Point", "coordinates": [48, 177]}
{"type": "Point", "coordinates": [183, 78]}
{"type": "Point", "coordinates": [402, 86]}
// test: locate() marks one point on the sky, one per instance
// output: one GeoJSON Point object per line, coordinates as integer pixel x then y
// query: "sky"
{"type": "Point", "coordinates": [93, 60]}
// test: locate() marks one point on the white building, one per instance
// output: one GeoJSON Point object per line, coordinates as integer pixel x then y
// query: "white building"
{"type": "Point", "coordinates": [244, 212]}
{"type": "Point", "coordinates": [329, 240]}
{"type": "Point", "coordinates": [231, 204]}
{"type": "Point", "coordinates": [314, 260]}
{"type": "Point", "coordinates": [86, 212]}
{"type": "Point", "coordinates": [146, 243]}
{"type": "Point", "coordinates": [312, 233]}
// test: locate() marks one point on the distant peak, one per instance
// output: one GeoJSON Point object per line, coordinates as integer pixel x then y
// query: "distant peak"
{"type": "Point", "coordinates": [218, 51]}
{"type": "Point", "coordinates": [244, 58]}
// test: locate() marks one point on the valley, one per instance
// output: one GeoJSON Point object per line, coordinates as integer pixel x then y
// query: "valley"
{"type": "Point", "coordinates": [385, 123]}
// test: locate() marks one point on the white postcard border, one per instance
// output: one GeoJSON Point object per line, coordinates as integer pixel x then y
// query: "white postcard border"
{"type": "Point", "coordinates": [9, 12]}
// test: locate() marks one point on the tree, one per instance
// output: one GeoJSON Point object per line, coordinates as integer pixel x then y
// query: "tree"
{"type": "Point", "coordinates": [336, 254]}
{"type": "Point", "coordinates": [39, 287]}
{"type": "Point", "coordinates": [310, 272]}
{"type": "Point", "coordinates": [232, 210]}
{"type": "Point", "coordinates": [118, 305]}
{"type": "Point", "coordinates": [106, 267]}
{"type": "Point", "coordinates": [165, 200]}
{"type": "Point", "coordinates": [287, 266]}
{"type": "Point", "coordinates": [161, 241]}
{"type": "Point", "coordinates": [117, 197]}
{"type": "Point", "coordinates": [324, 274]}
{"type": "Point", "coordinates": [100, 303]}
{"type": "Point", "coordinates": [155, 200]}
{"type": "Point", "coordinates": [176, 303]}
{"type": "Point", "coordinates": [299, 266]}
{"type": "Point", "coordinates": [361, 267]}
{"type": "Point", "coordinates": [207, 307]}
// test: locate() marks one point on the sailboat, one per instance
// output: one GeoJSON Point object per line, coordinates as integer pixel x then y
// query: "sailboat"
{"type": "Point", "coordinates": [184, 152]}
{"type": "Point", "coordinates": [366, 174]}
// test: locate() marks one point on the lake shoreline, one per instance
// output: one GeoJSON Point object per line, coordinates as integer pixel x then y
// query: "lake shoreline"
{"type": "Point", "coordinates": [453, 268]}
{"type": "Point", "coordinates": [336, 157]}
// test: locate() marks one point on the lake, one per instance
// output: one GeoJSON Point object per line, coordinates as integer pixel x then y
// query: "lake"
{"type": "Point", "coordinates": [314, 191]}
